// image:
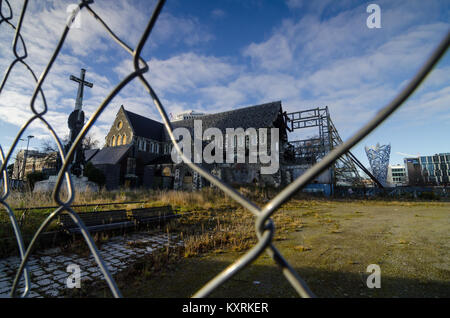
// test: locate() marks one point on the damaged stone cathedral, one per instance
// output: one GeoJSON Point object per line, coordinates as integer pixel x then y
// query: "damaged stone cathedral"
{"type": "Point", "coordinates": [137, 151]}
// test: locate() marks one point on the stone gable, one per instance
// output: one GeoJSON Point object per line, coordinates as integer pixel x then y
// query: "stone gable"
{"type": "Point", "coordinates": [121, 132]}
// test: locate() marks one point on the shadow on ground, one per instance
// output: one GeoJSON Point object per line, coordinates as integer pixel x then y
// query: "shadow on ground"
{"type": "Point", "coordinates": [184, 279]}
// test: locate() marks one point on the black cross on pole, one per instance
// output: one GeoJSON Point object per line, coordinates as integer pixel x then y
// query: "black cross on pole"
{"type": "Point", "coordinates": [81, 83]}
{"type": "Point", "coordinates": [76, 122]}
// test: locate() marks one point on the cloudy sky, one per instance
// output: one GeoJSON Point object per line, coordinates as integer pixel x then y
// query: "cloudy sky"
{"type": "Point", "coordinates": [218, 55]}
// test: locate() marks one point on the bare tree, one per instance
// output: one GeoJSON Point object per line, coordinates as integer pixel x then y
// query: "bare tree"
{"type": "Point", "coordinates": [49, 146]}
{"type": "Point", "coordinates": [89, 142]}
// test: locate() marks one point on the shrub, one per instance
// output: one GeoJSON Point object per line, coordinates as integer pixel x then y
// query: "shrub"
{"type": "Point", "coordinates": [428, 196]}
{"type": "Point", "coordinates": [10, 170]}
{"type": "Point", "coordinates": [34, 177]}
{"type": "Point", "coordinates": [94, 174]}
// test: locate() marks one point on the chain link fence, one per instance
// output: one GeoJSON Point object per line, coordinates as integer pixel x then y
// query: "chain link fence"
{"type": "Point", "coordinates": [264, 226]}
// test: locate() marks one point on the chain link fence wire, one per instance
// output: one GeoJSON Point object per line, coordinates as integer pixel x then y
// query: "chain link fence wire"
{"type": "Point", "coordinates": [264, 225]}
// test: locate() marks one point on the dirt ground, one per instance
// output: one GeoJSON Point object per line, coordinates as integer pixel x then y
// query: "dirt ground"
{"type": "Point", "coordinates": [331, 249]}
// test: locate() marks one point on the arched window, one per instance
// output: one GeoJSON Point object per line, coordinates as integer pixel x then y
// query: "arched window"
{"type": "Point", "coordinates": [119, 140]}
{"type": "Point", "coordinates": [166, 172]}
{"type": "Point", "coordinates": [113, 141]}
{"type": "Point", "coordinates": [124, 140]}
{"type": "Point", "coordinates": [157, 148]}
{"type": "Point", "coordinates": [151, 147]}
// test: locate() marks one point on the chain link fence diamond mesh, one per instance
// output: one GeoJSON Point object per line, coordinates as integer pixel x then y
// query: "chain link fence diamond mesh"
{"type": "Point", "coordinates": [264, 226]}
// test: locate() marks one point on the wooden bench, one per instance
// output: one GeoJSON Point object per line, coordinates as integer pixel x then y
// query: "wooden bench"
{"type": "Point", "coordinates": [97, 221]}
{"type": "Point", "coordinates": [153, 214]}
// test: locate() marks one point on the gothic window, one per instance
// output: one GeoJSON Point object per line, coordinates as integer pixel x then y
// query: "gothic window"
{"type": "Point", "coordinates": [124, 140]}
{"type": "Point", "coordinates": [119, 140]}
{"type": "Point", "coordinates": [113, 141]}
{"type": "Point", "coordinates": [167, 172]}
{"type": "Point", "coordinates": [119, 125]}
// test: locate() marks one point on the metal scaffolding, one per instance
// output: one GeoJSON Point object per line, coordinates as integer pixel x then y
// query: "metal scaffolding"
{"type": "Point", "coordinates": [309, 151]}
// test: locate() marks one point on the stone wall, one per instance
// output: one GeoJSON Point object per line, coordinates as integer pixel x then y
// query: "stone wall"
{"type": "Point", "coordinates": [112, 174]}
{"type": "Point", "coordinates": [120, 127]}
{"type": "Point", "coordinates": [148, 177]}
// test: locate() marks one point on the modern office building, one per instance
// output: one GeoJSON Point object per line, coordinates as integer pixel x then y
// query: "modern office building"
{"type": "Point", "coordinates": [413, 172]}
{"type": "Point", "coordinates": [396, 176]}
{"type": "Point", "coordinates": [190, 114]}
{"type": "Point", "coordinates": [436, 169]}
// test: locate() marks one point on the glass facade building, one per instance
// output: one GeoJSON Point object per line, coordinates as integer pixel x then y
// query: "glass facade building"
{"type": "Point", "coordinates": [436, 169]}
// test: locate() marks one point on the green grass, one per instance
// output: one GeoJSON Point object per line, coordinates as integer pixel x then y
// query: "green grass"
{"type": "Point", "coordinates": [329, 242]}
{"type": "Point", "coordinates": [329, 250]}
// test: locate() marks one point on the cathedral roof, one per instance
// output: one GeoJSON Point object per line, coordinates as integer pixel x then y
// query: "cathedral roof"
{"type": "Point", "coordinates": [110, 155]}
{"type": "Point", "coordinates": [145, 127]}
{"type": "Point", "coordinates": [258, 116]}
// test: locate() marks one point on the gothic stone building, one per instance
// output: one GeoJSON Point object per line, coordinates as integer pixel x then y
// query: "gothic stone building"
{"type": "Point", "coordinates": [132, 142]}
{"type": "Point", "coordinates": [35, 161]}
{"type": "Point", "coordinates": [137, 150]}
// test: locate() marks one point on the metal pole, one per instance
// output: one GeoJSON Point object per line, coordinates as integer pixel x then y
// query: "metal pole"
{"type": "Point", "coordinates": [25, 157]}
{"type": "Point", "coordinates": [18, 164]}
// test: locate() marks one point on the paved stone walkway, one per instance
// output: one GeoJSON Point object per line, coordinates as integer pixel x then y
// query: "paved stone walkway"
{"type": "Point", "coordinates": [48, 268]}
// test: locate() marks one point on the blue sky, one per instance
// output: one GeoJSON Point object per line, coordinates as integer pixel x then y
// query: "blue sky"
{"type": "Point", "coordinates": [213, 56]}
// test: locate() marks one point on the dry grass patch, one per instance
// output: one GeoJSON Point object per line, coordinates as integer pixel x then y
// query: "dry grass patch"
{"type": "Point", "coordinates": [302, 248]}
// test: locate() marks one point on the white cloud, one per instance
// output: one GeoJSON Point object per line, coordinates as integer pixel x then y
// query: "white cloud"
{"type": "Point", "coordinates": [304, 62]}
{"type": "Point", "coordinates": [339, 62]}
{"type": "Point", "coordinates": [172, 30]}
{"type": "Point", "coordinates": [218, 13]}
{"type": "Point", "coordinates": [86, 47]}
{"type": "Point", "coordinates": [274, 54]}
{"type": "Point", "coordinates": [294, 4]}
{"type": "Point", "coordinates": [188, 71]}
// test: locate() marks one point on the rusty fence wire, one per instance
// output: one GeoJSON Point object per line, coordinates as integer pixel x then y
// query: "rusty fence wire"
{"type": "Point", "coordinates": [264, 226]}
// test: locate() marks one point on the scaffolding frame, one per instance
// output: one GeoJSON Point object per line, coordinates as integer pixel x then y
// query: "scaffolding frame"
{"type": "Point", "coordinates": [312, 150]}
